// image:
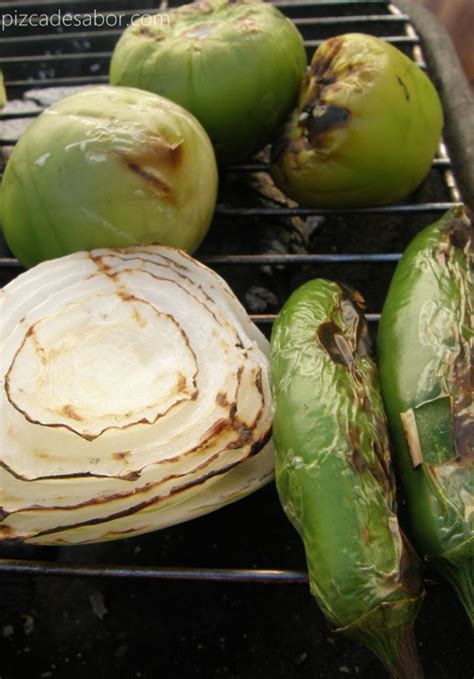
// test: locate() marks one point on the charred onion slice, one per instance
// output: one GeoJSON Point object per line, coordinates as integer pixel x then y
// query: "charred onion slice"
{"type": "Point", "coordinates": [134, 396]}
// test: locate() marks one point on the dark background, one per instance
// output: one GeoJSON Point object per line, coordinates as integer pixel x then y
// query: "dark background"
{"type": "Point", "coordinates": [78, 628]}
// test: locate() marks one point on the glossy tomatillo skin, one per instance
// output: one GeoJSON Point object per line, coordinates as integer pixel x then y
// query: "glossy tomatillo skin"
{"type": "Point", "coordinates": [426, 349]}
{"type": "Point", "coordinates": [334, 476]}
{"type": "Point", "coordinates": [236, 66]}
{"type": "Point", "coordinates": [108, 167]}
{"type": "Point", "coordinates": [365, 130]}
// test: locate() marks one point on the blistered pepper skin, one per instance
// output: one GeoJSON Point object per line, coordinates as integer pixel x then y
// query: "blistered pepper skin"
{"type": "Point", "coordinates": [333, 473]}
{"type": "Point", "coordinates": [425, 351]}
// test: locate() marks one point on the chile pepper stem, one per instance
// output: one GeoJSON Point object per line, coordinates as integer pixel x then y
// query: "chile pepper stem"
{"type": "Point", "coordinates": [401, 658]}
{"type": "Point", "coordinates": [388, 632]}
{"type": "Point", "coordinates": [457, 567]}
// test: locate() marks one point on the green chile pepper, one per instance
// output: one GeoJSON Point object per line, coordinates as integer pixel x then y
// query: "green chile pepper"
{"type": "Point", "coordinates": [425, 349]}
{"type": "Point", "coordinates": [334, 476]}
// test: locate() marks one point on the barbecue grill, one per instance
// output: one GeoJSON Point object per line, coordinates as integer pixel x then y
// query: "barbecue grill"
{"type": "Point", "coordinates": [226, 595]}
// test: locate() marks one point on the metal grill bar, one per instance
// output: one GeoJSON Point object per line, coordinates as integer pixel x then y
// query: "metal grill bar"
{"type": "Point", "coordinates": [393, 39]}
{"type": "Point", "coordinates": [51, 37]}
{"type": "Point", "coordinates": [45, 58]}
{"type": "Point", "coordinates": [268, 319]}
{"type": "Point", "coordinates": [299, 259]}
{"type": "Point", "coordinates": [260, 576]}
{"type": "Point", "coordinates": [308, 212]}
{"type": "Point", "coordinates": [10, 263]}
{"type": "Point", "coordinates": [15, 116]}
{"type": "Point", "coordinates": [59, 82]}
{"type": "Point", "coordinates": [264, 167]}
{"type": "Point", "coordinates": [275, 260]}
{"type": "Point", "coordinates": [329, 3]}
{"type": "Point", "coordinates": [356, 19]}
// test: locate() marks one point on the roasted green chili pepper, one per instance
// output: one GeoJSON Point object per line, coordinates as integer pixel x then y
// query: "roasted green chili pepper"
{"type": "Point", "coordinates": [334, 476]}
{"type": "Point", "coordinates": [425, 348]}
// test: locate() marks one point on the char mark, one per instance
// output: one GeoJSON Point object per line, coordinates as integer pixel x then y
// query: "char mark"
{"type": "Point", "coordinates": [332, 339]}
{"type": "Point", "coordinates": [323, 119]}
{"type": "Point", "coordinates": [406, 93]}
{"type": "Point", "coordinates": [154, 182]}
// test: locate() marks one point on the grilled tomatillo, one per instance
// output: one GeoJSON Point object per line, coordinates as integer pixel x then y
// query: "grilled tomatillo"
{"type": "Point", "coordinates": [108, 167]}
{"type": "Point", "coordinates": [365, 130]}
{"type": "Point", "coordinates": [237, 66]}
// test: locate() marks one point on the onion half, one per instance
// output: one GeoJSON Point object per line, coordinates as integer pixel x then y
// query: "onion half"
{"type": "Point", "coordinates": [134, 396]}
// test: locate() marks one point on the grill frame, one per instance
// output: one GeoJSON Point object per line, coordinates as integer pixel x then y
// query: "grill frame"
{"type": "Point", "coordinates": [454, 161]}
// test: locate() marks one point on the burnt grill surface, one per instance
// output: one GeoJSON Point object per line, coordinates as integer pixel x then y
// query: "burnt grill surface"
{"type": "Point", "coordinates": [67, 612]}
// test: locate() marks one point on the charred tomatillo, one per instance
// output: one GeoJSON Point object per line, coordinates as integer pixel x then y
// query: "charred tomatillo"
{"type": "Point", "coordinates": [237, 66]}
{"type": "Point", "coordinates": [108, 167]}
{"type": "Point", "coordinates": [365, 130]}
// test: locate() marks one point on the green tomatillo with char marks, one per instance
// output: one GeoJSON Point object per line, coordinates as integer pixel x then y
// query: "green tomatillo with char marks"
{"type": "Point", "coordinates": [426, 349]}
{"type": "Point", "coordinates": [237, 66]}
{"type": "Point", "coordinates": [334, 474]}
{"type": "Point", "coordinates": [365, 130]}
{"type": "Point", "coordinates": [108, 167]}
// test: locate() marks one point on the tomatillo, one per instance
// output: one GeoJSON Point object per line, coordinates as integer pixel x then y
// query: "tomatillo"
{"type": "Point", "coordinates": [366, 128]}
{"type": "Point", "coordinates": [237, 66]}
{"type": "Point", "coordinates": [108, 167]}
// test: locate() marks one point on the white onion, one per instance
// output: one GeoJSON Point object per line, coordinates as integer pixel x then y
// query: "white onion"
{"type": "Point", "coordinates": [134, 396]}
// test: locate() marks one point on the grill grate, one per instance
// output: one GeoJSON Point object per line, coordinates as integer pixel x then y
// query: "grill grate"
{"type": "Point", "coordinates": [342, 244]}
